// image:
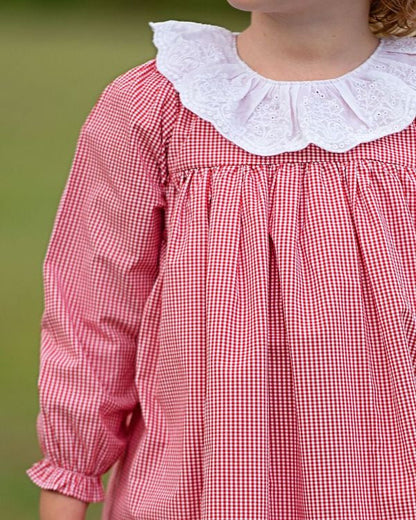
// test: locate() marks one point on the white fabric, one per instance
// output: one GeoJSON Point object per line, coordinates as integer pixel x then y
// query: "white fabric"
{"type": "Point", "coordinates": [266, 116]}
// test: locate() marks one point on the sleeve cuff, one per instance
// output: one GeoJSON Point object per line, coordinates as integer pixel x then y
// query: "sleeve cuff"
{"type": "Point", "coordinates": [88, 488]}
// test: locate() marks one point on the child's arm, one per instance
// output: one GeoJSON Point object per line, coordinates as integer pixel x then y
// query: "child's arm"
{"type": "Point", "coordinates": [99, 268]}
{"type": "Point", "coordinates": [56, 506]}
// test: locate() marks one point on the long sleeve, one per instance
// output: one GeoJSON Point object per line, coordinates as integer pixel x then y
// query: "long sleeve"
{"type": "Point", "coordinates": [100, 265]}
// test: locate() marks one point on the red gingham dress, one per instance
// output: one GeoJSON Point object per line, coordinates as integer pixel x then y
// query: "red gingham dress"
{"type": "Point", "coordinates": [235, 333]}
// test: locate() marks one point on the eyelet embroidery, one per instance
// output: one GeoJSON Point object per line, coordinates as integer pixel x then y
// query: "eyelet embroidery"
{"type": "Point", "coordinates": [267, 117]}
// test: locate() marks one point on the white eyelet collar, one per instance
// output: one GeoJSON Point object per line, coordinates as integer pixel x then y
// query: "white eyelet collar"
{"type": "Point", "coordinates": [267, 117]}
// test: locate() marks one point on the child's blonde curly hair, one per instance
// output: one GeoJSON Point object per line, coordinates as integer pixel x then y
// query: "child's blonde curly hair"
{"type": "Point", "coordinates": [393, 17]}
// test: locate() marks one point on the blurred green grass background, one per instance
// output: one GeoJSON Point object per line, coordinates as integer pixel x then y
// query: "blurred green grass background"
{"type": "Point", "coordinates": [55, 63]}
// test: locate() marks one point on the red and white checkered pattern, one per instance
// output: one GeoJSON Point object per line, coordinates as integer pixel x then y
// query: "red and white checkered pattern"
{"type": "Point", "coordinates": [236, 333]}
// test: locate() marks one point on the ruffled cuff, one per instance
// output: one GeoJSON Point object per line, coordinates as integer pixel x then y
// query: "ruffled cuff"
{"type": "Point", "coordinates": [88, 488]}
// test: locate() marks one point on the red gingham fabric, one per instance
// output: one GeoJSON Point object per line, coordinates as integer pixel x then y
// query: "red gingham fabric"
{"type": "Point", "coordinates": [235, 334]}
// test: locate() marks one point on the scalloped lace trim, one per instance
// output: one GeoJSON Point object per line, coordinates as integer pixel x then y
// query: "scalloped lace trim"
{"type": "Point", "coordinates": [267, 117]}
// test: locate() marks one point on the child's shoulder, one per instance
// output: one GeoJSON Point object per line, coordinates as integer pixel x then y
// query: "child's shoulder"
{"type": "Point", "coordinates": [143, 94]}
{"type": "Point", "coordinates": [146, 81]}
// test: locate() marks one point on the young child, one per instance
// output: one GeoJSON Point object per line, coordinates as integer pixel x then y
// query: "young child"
{"type": "Point", "coordinates": [230, 283]}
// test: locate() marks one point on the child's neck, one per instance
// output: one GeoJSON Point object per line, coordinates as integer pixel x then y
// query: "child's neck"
{"type": "Point", "coordinates": [284, 49]}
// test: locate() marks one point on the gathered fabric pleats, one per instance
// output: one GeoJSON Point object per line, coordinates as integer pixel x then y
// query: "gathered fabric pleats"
{"type": "Point", "coordinates": [285, 323]}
